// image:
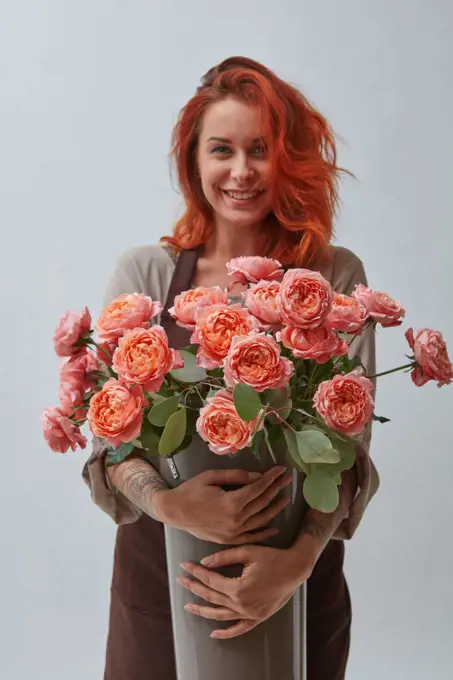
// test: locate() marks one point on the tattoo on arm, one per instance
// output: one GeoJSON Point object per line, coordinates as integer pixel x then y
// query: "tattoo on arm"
{"type": "Point", "coordinates": [138, 481]}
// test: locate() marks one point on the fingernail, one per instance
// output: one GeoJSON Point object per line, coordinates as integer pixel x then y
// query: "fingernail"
{"type": "Point", "coordinates": [206, 561]}
{"type": "Point", "coordinates": [188, 607]}
{"type": "Point", "coordinates": [184, 565]}
{"type": "Point", "coordinates": [254, 475]}
{"type": "Point", "coordinates": [215, 634]}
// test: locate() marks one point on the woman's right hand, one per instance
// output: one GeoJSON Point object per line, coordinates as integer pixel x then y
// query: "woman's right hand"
{"type": "Point", "coordinates": [203, 508]}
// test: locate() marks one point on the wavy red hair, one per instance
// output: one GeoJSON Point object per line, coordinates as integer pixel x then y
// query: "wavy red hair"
{"type": "Point", "coordinates": [302, 154]}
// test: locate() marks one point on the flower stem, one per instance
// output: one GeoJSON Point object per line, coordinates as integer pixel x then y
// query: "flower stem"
{"type": "Point", "coordinates": [101, 349]}
{"type": "Point", "coordinates": [392, 370]}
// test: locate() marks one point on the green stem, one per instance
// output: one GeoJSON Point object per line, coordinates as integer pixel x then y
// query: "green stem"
{"type": "Point", "coordinates": [393, 370]}
{"type": "Point", "coordinates": [101, 349]}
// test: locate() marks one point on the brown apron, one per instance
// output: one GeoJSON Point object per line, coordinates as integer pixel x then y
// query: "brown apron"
{"type": "Point", "coordinates": [140, 639]}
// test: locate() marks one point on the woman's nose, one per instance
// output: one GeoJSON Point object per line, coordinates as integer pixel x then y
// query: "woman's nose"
{"type": "Point", "coordinates": [241, 170]}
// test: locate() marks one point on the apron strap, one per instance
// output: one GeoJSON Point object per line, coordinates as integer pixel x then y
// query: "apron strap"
{"type": "Point", "coordinates": [182, 277]}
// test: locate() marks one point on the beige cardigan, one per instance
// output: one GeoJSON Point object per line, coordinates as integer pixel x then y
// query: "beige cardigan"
{"type": "Point", "coordinates": [149, 270]}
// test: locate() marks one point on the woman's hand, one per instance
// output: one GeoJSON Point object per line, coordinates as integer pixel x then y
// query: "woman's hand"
{"type": "Point", "coordinates": [201, 507]}
{"type": "Point", "coordinates": [269, 579]}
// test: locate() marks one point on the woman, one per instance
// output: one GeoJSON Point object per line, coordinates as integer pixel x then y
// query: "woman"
{"type": "Point", "coordinates": [257, 167]}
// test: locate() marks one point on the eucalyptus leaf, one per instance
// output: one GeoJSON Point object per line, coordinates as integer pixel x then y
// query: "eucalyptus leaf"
{"type": "Point", "coordinates": [149, 439]}
{"type": "Point", "coordinates": [321, 492]}
{"type": "Point", "coordinates": [279, 400]}
{"type": "Point", "coordinates": [380, 419]}
{"type": "Point", "coordinates": [120, 453]}
{"type": "Point", "coordinates": [174, 432]}
{"type": "Point", "coordinates": [246, 401]}
{"type": "Point", "coordinates": [161, 412]}
{"type": "Point", "coordinates": [190, 373]}
{"type": "Point", "coordinates": [192, 349]}
{"type": "Point", "coordinates": [292, 451]}
{"type": "Point", "coordinates": [315, 447]}
{"type": "Point", "coordinates": [346, 449]}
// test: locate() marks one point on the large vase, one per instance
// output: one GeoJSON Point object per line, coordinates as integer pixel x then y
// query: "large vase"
{"type": "Point", "coordinates": [274, 650]}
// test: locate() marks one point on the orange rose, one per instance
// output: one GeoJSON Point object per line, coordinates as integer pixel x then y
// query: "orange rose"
{"type": "Point", "coordinates": [60, 432]}
{"type": "Point", "coordinates": [216, 327]}
{"type": "Point", "coordinates": [255, 360]}
{"type": "Point", "coordinates": [144, 357]}
{"type": "Point", "coordinates": [305, 298]}
{"type": "Point", "coordinates": [124, 313]}
{"type": "Point", "coordinates": [319, 344]}
{"type": "Point", "coordinates": [116, 412]}
{"type": "Point", "coordinates": [220, 425]}
{"type": "Point", "coordinates": [346, 402]}
{"type": "Point", "coordinates": [186, 304]}
{"type": "Point", "coordinates": [347, 314]}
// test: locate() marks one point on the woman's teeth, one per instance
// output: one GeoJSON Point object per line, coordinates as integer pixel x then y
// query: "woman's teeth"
{"type": "Point", "coordinates": [242, 196]}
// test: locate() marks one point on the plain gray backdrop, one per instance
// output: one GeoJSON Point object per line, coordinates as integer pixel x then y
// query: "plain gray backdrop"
{"type": "Point", "coordinates": [89, 92]}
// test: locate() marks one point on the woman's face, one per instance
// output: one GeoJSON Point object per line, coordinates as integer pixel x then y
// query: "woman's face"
{"type": "Point", "coordinates": [233, 164]}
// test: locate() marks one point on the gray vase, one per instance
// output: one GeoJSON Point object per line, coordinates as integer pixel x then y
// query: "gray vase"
{"type": "Point", "coordinates": [274, 650]}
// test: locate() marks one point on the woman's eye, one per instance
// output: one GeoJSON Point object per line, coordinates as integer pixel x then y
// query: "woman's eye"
{"type": "Point", "coordinates": [221, 149]}
{"type": "Point", "coordinates": [260, 149]}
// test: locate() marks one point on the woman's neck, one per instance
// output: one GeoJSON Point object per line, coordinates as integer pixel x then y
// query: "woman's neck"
{"type": "Point", "coordinates": [230, 241]}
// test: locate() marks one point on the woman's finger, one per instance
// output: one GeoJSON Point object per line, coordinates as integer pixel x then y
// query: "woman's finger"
{"type": "Point", "coordinates": [266, 515]}
{"type": "Point", "coordinates": [214, 613]}
{"type": "Point", "coordinates": [242, 497]}
{"type": "Point", "coordinates": [239, 628]}
{"type": "Point", "coordinates": [266, 498]}
{"type": "Point", "coordinates": [206, 593]}
{"type": "Point", "coordinates": [250, 537]}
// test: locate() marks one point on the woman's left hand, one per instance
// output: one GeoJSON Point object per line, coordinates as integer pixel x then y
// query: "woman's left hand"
{"type": "Point", "coordinates": [269, 579]}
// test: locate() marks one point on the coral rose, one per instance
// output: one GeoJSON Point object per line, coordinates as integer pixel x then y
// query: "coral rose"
{"type": "Point", "coordinates": [347, 314]}
{"type": "Point", "coordinates": [216, 327]}
{"type": "Point", "coordinates": [305, 298]}
{"type": "Point", "coordinates": [431, 355]}
{"type": "Point", "coordinates": [69, 331]}
{"type": "Point", "coordinates": [75, 379]}
{"type": "Point", "coordinates": [253, 269]}
{"type": "Point", "coordinates": [319, 344]}
{"type": "Point", "coordinates": [186, 304]}
{"type": "Point", "coordinates": [125, 312]}
{"type": "Point", "coordinates": [256, 361]}
{"type": "Point", "coordinates": [220, 425]}
{"type": "Point", "coordinates": [116, 412]}
{"type": "Point", "coordinates": [261, 299]}
{"type": "Point", "coordinates": [144, 357]}
{"type": "Point", "coordinates": [346, 402]}
{"type": "Point", "coordinates": [380, 306]}
{"type": "Point", "coordinates": [59, 432]}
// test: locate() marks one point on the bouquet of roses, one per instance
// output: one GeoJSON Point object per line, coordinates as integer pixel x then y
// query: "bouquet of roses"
{"type": "Point", "coordinates": [275, 370]}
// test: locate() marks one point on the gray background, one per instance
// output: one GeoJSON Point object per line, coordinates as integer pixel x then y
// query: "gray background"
{"type": "Point", "coordinates": [89, 93]}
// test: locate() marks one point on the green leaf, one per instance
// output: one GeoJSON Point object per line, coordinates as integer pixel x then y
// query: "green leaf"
{"type": "Point", "coordinates": [191, 349]}
{"type": "Point", "coordinates": [190, 373]}
{"type": "Point", "coordinates": [120, 453]}
{"type": "Point", "coordinates": [292, 450]}
{"type": "Point", "coordinates": [321, 492]}
{"type": "Point", "coordinates": [246, 401]}
{"type": "Point", "coordinates": [279, 400]}
{"type": "Point", "coordinates": [161, 412]}
{"type": "Point", "coordinates": [269, 446]}
{"type": "Point", "coordinates": [380, 419]}
{"type": "Point", "coordinates": [257, 441]}
{"type": "Point", "coordinates": [346, 449]}
{"type": "Point", "coordinates": [149, 439]}
{"type": "Point", "coordinates": [151, 396]}
{"type": "Point", "coordinates": [314, 447]}
{"type": "Point", "coordinates": [174, 432]}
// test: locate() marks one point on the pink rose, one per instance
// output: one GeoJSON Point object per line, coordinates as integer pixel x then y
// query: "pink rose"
{"type": "Point", "coordinates": [125, 313]}
{"type": "Point", "coordinates": [347, 314]}
{"type": "Point", "coordinates": [144, 357]}
{"type": "Point", "coordinates": [305, 298]}
{"type": "Point", "coordinates": [116, 412]}
{"type": "Point", "coordinates": [59, 432]}
{"type": "Point", "coordinates": [216, 327]}
{"type": "Point", "coordinates": [261, 299]}
{"type": "Point", "coordinates": [220, 425]}
{"type": "Point", "coordinates": [255, 360]}
{"type": "Point", "coordinates": [319, 344]}
{"type": "Point", "coordinates": [431, 355]}
{"type": "Point", "coordinates": [69, 331]}
{"type": "Point", "coordinates": [346, 402]}
{"type": "Point", "coordinates": [75, 379]}
{"type": "Point", "coordinates": [186, 304]}
{"type": "Point", "coordinates": [380, 306]}
{"type": "Point", "coordinates": [253, 269]}
{"type": "Point", "coordinates": [105, 351]}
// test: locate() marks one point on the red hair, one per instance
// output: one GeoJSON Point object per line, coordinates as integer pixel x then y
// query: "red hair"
{"type": "Point", "coordinates": [302, 154]}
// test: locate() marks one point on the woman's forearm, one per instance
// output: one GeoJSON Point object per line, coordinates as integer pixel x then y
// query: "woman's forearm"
{"type": "Point", "coordinates": [318, 528]}
{"type": "Point", "coordinates": [138, 481]}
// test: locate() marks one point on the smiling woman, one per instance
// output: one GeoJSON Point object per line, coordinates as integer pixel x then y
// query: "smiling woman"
{"type": "Point", "coordinates": [257, 167]}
